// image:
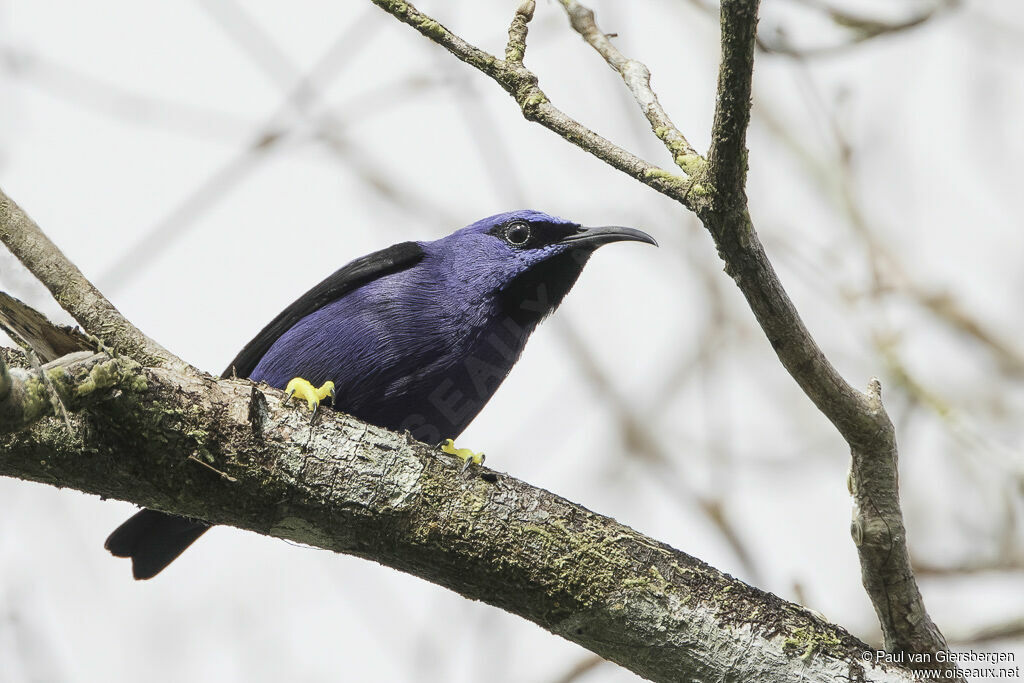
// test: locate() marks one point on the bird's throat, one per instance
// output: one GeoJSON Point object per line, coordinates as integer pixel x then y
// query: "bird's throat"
{"type": "Point", "coordinates": [535, 294]}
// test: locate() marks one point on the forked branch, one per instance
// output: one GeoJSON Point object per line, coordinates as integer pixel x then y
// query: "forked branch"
{"type": "Point", "coordinates": [716, 193]}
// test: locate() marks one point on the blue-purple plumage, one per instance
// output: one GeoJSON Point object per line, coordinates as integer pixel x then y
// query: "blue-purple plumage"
{"type": "Point", "coordinates": [418, 336]}
{"type": "Point", "coordinates": [424, 348]}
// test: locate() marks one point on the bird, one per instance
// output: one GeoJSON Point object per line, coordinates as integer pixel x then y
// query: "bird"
{"type": "Point", "coordinates": [416, 337]}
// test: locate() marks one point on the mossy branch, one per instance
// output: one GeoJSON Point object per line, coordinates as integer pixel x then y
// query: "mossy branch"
{"type": "Point", "coordinates": [137, 433]}
{"type": "Point", "coordinates": [79, 379]}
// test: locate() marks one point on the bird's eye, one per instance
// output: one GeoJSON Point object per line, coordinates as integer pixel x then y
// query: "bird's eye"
{"type": "Point", "coordinates": [517, 234]}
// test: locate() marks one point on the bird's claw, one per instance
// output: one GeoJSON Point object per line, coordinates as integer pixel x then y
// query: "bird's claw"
{"type": "Point", "coordinates": [301, 388]}
{"type": "Point", "coordinates": [468, 457]}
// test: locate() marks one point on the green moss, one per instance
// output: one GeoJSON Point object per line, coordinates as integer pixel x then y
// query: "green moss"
{"type": "Point", "coordinates": [393, 6]}
{"type": "Point", "coordinates": [100, 376]}
{"type": "Point", "coordinates": [690, 163]}
{"type": "Point", "coordinates": [122, 372]}
{"type": "Point", "coordinates": [666, 177]}
{"type": "Point", "coordinates": [36, 400]}
{"type": "Point", "coordinates": [659, 583]}
{"type": "Point", "coordinates": [699, 190]}
{"type": "Point", "coordinates": [684, 156]}
{"type": "Point", "coordinates": [534, 99]}
{"type": "Point", "coordinates": [431, 29]}
{"type": "Point", "coordinates": [810, 641]}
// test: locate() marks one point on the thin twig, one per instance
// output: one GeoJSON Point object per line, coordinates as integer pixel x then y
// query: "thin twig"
{"type": "Point", "coordinates": [580, 669]}
{"type": "Point", "coordinates": [269, 137]}
{"type": "Point", "coordinates": [224, 475]}
{"type": "Point", "coordinates": [861, 28]}
{"type": "Point", "coordinates": [1006, 630]}
{"type": "Point", "coordinates": [522, 85]}
{"type": "Point", "coordinates": [55, 400]}
{"type": "Point", "coordinates": [637, 77]}
{"type": "Point", "coordinates": [95, 94]}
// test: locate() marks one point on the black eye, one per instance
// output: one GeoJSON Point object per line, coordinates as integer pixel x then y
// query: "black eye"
{"type": "Point", "coordinates": [517, 234]}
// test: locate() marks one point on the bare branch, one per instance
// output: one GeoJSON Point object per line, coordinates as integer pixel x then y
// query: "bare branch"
{"type": "Point", "coordinates": [880, 536]}
{"type": "Point", "coordinates": [878, 527]}
{"type": "Point", "coordinates": [638, 79]}
{"type": "Point", "coordinates": [73, 291]}
{"type": "Point", "coordinates": [727, 158]}
{"type": "Point", "coordinates": [1005, 630]}
{"type": "Point", "coordinates": [861, 28]}
{"type": "Point", "coordinates": [515, 50]}
{"type": "Point", "coordinates": [521, 83]}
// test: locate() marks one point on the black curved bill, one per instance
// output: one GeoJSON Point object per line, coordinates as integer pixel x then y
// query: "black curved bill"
{"type": "Point", "coordinates": [595, 237]}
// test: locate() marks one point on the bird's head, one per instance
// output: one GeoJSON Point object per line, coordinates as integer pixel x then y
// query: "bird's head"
{"type": "Point", "coordinates": [527, 259]}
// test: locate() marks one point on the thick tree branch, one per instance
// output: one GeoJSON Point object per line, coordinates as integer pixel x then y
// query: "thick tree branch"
{"type": "Point", "coordinates": [350, 487]}
{"type": "Point", "coordinates": [877, 527]}
{"type": "Point", "coordinates": [73, 291]}
{"type": "Point", "coordinates": [727, 158]}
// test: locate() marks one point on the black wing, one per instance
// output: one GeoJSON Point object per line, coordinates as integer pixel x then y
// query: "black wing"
{"type": "Point", "coordinates": [341, 282]}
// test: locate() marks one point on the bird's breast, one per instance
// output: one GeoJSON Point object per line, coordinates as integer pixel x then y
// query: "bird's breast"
{"type": "Point", "coordinates": [425, 362]}
{"type": "Point", "coordinates": [454, 374]}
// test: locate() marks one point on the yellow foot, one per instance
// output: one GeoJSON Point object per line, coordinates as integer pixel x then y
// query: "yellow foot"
{"type": "Point", "coordinates": [468, 456]}
{"type": "Point", "coordinates": [300, 388]}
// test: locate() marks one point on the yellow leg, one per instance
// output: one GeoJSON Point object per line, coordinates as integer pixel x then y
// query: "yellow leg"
{"type": "Point", "coordinates": [300, 388]}
{"type": "Point", "coordinates": [468, 456]}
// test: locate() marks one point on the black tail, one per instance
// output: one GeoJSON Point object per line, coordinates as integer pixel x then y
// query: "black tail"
{"type": "Point", "coordinates": [153, 540]}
